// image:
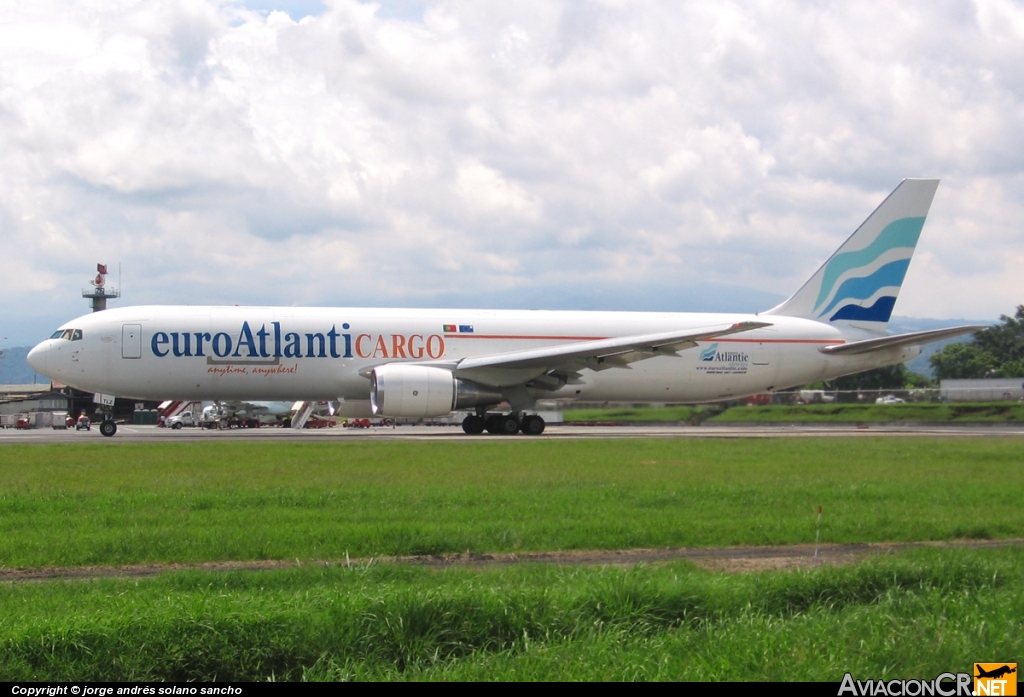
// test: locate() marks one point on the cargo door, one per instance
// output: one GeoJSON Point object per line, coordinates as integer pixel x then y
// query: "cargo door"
{"type": "Point", "coordinates": [131, 341]}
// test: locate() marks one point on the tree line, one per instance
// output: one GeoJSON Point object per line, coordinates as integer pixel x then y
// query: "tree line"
{"type": "Point", "coordinates": [995, 352]}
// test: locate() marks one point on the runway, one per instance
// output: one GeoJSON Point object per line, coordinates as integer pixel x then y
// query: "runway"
{"type": "Point", "coordinates": [154, 434]}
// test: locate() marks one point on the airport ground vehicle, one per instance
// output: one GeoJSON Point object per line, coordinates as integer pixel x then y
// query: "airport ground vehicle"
{"type": "Point", "coordinates": [22, 423]}
{"type": "Point", "coordinates": [366, 423]}
{"type": "Point", "coordinates": [43, 419]}
{"type": "Point", "coordinates": [420, 363]}
{"type": "Point", "coordinates": [83, 423]}
{"type": "Point", "coordinates": [183, 419]}
{"type": "Point", "coordinates": [223, 417]}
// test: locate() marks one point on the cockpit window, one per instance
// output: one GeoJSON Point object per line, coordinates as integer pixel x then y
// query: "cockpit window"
{"type": "Point", "coordinates": [76, 334]}
{"type": "Point", "coordinates": [67, 334]}
{"type": "Point", "coordinates": [57, 334]}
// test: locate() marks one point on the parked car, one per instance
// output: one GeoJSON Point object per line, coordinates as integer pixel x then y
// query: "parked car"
{"type": "Point", "coordinates": [890, 399]}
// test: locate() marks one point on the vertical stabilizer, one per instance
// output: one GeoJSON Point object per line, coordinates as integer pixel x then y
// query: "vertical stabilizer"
{"type": "Point", "coordinates": [859, 284]}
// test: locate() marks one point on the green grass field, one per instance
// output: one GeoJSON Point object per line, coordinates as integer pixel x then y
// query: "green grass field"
{"type": "Point", "coordinates": [915, 615]}
{"type": "Point", "coordinates": [634, 415]}
{"type": "Point", "coordinates": [92, 504]}
{"type": "Point", "coordinates": [909, 615]}
{"type": "Point", "coordinates": [995, 412]}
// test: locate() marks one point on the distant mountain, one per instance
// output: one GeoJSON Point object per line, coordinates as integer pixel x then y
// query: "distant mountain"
{"type": "Point", "coordinates": [15, 370]}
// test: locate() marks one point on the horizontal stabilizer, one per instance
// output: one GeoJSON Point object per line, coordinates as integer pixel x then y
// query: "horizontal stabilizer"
{"type": "Point", "coordinates": [886, 342]}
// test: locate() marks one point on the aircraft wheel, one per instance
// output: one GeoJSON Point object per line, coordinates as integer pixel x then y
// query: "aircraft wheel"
{"type": "Point", "coordinates": [473, 425]}
{"type": "Point", "coordinates": [108, 428]}
{"type": "Point", "coordinates": [533, 425]}
{"type": "Point", "coordinates": [492, 423]}
{"type": "Point", "coordinates": [509, 424]}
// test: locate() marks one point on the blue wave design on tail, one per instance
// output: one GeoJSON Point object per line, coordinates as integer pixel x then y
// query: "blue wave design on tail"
{"type": "Point", "coordinates": [899, 233]}
{"type": "Point", "coordinates": [881, 311]}
{"type": "Point", "coordinates": [869, 268]}
{"type": "Point", "coordinates": [891, 274]}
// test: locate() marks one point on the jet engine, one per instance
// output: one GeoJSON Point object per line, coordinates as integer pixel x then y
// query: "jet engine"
{"type": "Point", "coordinates": [403, 389]}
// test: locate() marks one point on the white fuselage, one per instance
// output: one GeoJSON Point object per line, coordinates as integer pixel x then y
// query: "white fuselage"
{"type": "Point", "coordinates": [275, 353]}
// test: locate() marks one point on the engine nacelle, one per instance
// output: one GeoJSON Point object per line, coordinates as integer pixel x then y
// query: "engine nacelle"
{"type": "Point", "coordinates": [402, 389]}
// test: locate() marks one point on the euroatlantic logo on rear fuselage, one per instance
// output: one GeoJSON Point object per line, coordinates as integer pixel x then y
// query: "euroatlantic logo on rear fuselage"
{"type": "Point", "coordinates": [275, 343]}
{"type": "Point", "coordinates": [712, 354]}
{"type": "Point", "coordinates": [715, 362]}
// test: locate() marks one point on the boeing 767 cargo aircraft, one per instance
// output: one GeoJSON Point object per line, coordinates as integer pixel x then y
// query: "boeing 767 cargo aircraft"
{"type": "Point", "coordinates": [419, 363]}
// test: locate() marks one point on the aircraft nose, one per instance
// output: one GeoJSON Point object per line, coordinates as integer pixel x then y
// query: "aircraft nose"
{"type": "Point", "coordinates": [37, 358]}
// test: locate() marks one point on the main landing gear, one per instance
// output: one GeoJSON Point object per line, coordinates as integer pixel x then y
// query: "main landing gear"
{"type": "Point", "coordinates": [503, 424]}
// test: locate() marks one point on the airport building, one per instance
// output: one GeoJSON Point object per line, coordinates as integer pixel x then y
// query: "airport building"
{"type": "Point", "coordinates": [18, 399]}
{"type": "Point", "coordinates": [982, 390]}
{"type": "Point", "coordinates": [54, 397]}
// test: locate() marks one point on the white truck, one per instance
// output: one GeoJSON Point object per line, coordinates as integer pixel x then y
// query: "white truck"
{"type": "Point", "coordinates": [185, 418]}
{"type": "Point", "coordinates": [47, 419]}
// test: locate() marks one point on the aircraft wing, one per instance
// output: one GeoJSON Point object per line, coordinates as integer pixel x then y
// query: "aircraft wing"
{"type": "Point", "coordinates": [912, 339]}
{"type": "Point", "coordinates": [518, 367]}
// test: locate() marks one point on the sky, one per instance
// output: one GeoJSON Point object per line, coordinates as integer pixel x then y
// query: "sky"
{"type": "Point", "coordinates": [559, 154]}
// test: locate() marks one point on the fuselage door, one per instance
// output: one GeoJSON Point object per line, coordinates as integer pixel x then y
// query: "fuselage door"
{"type": "Point", "coordinates": [131, 341]}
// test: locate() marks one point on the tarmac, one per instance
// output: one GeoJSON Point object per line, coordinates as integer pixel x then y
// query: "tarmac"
{"type": "Point", "coordinates": [154, 434]}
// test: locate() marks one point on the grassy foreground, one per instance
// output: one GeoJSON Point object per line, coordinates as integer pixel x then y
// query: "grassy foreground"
{"type": "Point", "coordinates": [68, 505]}
{"type": "Point", "coordinates": [911, 616]}
{"type": "Point", "coordinates": [995, 412]}
{"type": "Point", "coordinates": [633, 415]}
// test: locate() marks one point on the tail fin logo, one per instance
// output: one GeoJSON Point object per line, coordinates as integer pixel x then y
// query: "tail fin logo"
{"type": "Point", "coordinates": [861, 280]}
{"type": "Point", "coordinates": [863, 284]}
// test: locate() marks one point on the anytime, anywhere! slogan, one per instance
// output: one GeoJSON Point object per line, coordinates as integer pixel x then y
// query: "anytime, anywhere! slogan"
{"type": "Point", "coordinates": [254, 370]}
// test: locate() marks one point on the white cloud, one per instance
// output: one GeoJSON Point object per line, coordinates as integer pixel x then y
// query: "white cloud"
{"type": "Point", "coordinates": [422, 152]}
